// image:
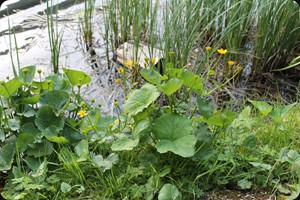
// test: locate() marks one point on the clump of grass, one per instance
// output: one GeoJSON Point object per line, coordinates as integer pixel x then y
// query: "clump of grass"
{"type": "Point", "coordinates": [55, 36]}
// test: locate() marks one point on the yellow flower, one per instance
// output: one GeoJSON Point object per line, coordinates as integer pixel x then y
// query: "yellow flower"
{"type": "Point", "coordinates": [128, 63]}
{"type": "Point", "coordinates": [222, 51]}
{"type": "Point", "coordinates": [239, 68]}
{"type": "Point", "coordinates": [121, 70]}
{"type": "Point", "coordinates": [208, 48]}
{"type": "Point", "coordinates": [82, 113]}
{"type": "Point", "coordinates": [230, 62]}
{"type": "Point", "coordinates": [116, 121]}
{"type": "Point", "coordinates": [153, 60]}
{"type": "Point", "coordinates": [118, 81]}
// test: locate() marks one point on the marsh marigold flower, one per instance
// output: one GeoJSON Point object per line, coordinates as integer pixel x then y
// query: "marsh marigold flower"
{"type": "Point", "coordinates": [121, 70]}
{"type": "Point", "coordinates": [82, 113]}
{"type": "Point", "coordinates": [208, 48]}
{"type": "Point", "coordinates": [128, 63]}
{"type": "Point", "coordinates": [239, 68]}
{"type": "Point", "coordinates": [118, 81]}
{"type": "Point", "coordinates": [222, 51]}
{"type": "Point", "coordinates": [153, 60]}
{"type": "Point", "coordinates": [230, 62]}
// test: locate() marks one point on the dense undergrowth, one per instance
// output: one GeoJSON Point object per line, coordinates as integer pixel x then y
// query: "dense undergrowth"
{"type": "Point", "coordinates": [167, 141]}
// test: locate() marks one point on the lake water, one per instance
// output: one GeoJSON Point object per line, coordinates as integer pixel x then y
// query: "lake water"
{"type": "Point", "coordinates": [34, 49]}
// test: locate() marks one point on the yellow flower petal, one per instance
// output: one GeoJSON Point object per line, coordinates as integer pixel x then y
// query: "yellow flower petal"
{"type": "Point", "coordinates": [118, 81]}
{"type": "Point", "coordinates": [208, 48]}
{"type": "Point", "coordinates": [82, 113]}
{"type": "Point", "coordinates": [121, 70]}
{"type": "Point", "coordinates": [230, 62]}
{"type": "Point", "coordinates": [222, 51]}
{"type": "Point", "coordinates": [153, 60]}
{"type": "Point", "coordinates": [128, 63]}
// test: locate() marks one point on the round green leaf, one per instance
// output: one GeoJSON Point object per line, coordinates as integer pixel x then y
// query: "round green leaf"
{"type": "Point", "coordinates": [26, 74]}
{"type": "Point", "coordinates": [169, 192]}
{"type": "Point", "coordinates": [174, 133]}
{"type": "Point", "coordinates": [56, 99]}
{"type": "Point", "coordinates": [10, 87]}
{"type": "Point", "coordinates": [45, 118]}
{"type": "Point", "coordinates": [6, 156]}
{"type": "Point", "coordinates": [124, 144]}
{"type": "Point", "coordinates": [222, 119]}
{"type": "Point", "coordinates": [140, 99]}
{"type": "Point", "coordinates": [151, 75]}
{"type": "Point", "coordinates": [65, 187]}
{"type": "Point", "coordinates": [171, 86]}
{"type": "Point", "coordinates": [77, 77]}
{"type": "Point", "coordinates": [263, 107]}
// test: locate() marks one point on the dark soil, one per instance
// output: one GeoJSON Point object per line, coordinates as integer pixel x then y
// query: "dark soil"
{"type": "Point", "coordinates": [240, 195]}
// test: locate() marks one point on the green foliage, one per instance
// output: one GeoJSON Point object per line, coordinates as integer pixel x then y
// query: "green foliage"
{"type": "Point", "coordinates": [169, 192]}
{"type": "Point", "coordinates": [174, 133]}
{"type": "Point", "coordinates": [169, 142]}
{"type": "Point", "coordinates": [141, 99]}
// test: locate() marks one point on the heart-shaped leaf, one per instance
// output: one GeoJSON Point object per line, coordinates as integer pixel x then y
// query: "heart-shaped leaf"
{"type": "Point", "coordinates": [6, 156]}
{"type": "Point", "coordinates": [10, 87]}
{"type": "Point", "coordinates": [171, 86]}
{"type": "Point", "coordinates": [82, 150]}
{"type": "Point", "coordinates": [151, 75]}
{"type": "Point", "coordinates": [140, 99]}
{"type": "Point", "coordinates": [124, 144]}
{"type": "Point", "coordinates": [222, 119]}
{"type": "Point", "coordinates": [45, 118]}
{"type": "Point", "coordinates": [26, 74]}
{"type": "Point", "coordinates": [263, 107]}
{"type": "Point", "coordinates": [56, 99]}
{"type": "Point", "coordinates": [280, 112]}
{"type": "Point", "coordinates": [169, 192]}
{"type": "Point", "coordinates": [77, 77]}
{"type": "Point", "coordinates": [106, 163]}
{"type": "Point", "coordinates": [174, 133]}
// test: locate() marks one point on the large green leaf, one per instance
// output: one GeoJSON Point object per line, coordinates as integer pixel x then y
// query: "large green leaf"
{"type": "Point", "coordinates": [141, 129]}
{"type": "Point", "coordinates": [171, 86]}
{"type": "Point", "coordinates": [6, 156]}
{"type": "Point", "coordinates": [174, 133]}
{"type": "Point", "coordinates": [45, 85]}
{"type": "Point", "coordinates": [280, 112]}
{"type": "Point", "coordinates": [222, 119]}
{"type": "Point", "coordinates": [77, 77]}
{"type": "Point", "coordinates": [26, 74]}
{"type": "Point", "coordinates": [169, 192]}
{"type": "Point", "coordinates": [205, 107]}
{"type": "Point", "coordinates": [60, 82]}
{"type": "Point", "coordinates": [24, 140]}
{"type": "Point", "coordinates": [40, 149]}
{"type": "Point", "coordinates": [151, 75]}
{"type": "Point", "coordinates": [124, 144]}
{"type": "Point", "coordinates": [105, 163]}
{"type": "Point", "coordinates": [14, 124]}
{"type": "Point", "coordinates": [8, 88]}
{"type": "Point", "coordinates": [263, 107]}
{"type": "Point", "coordinates": [2, 134]}
{"type": "Point", "coordinates": [56, 99]}
{"type": "Point", "coordinates": [51, 133]}
{"type": "Point", "coordinates": [140, 99]}
{"type": "Point", "coordinates": [191, 80]}
{"type": "Point", "coordinates": [45, 118]}
{"type": "Point", "coordinates": [82, 150]}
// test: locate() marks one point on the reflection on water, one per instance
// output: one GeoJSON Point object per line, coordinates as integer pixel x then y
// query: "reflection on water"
{"type": "Point", "coordinates": [30, 26]}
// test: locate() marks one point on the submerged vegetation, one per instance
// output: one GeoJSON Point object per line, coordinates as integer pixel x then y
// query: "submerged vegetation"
{"type": "Point", "coordinates": [171, 139]}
